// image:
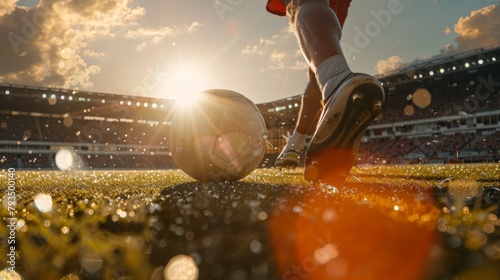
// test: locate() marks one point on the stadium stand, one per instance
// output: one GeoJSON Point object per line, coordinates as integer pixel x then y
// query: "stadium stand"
{"type": "Point", "coordinates": [102, 130]}
{"type": "Point", "coordinates": [444, 110]}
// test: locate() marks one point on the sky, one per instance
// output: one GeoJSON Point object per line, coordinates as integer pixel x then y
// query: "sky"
{"type": "Point", "coordinates": [172, 48]}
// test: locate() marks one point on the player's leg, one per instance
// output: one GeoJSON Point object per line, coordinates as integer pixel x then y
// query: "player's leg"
{"type": "Point", "coordinates": [312, 97]}
{"type": "Point", "coordinates": [291, 154]}
{"type": "Point", "coordinates": [351, 101]}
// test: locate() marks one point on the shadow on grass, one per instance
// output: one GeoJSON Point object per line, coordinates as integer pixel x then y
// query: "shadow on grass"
{"type": "Point", "coordinates": [222, 226]}
{"type": "Point", "coordinates": [261, 231]}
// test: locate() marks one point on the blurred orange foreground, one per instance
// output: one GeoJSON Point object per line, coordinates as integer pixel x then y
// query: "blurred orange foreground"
{"type": "Point", "coordinates": [357, 231]}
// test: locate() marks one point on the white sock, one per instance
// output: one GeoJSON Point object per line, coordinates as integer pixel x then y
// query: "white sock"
{"type": "Point", "coordinates": [330, 73]}
{"type": "Point", "coordinates": [296, 141]}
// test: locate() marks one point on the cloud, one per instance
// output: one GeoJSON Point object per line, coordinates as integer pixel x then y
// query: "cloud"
{"type": "Point", "coordinates": [267, 42]}
{"type": "Point", "coordinates": [161, 32]}
{"type": "Point", "coordinates": [480, 28]}
{"type": "Point", "coordinates": [91, 53]}
{"type": "Point", "coordinates": [46, 45]}
{"type": "Point", "coordinates": [7, 6]}
{"type": "Point", "coordinates": [156, 35]}
{"type": "Point", "coordinates": [299, 65]}
{"type": "Point", "coordinates": [392, 63]}
{"type": "Point", "coordinates": [278, 55]}
{"type": "Point", "coordinates": [194, 27]}
{"type": "Point", "coordinates": [150, 32]}
{"type": "Point", "coordinates": [281, 50]}
{"type": "Point", "coordinates": [51, 44]}
{"type": "Point", "coordinates": [150, 35]}
{"type": "Point", "coordinates": [447, 31]}
{"type": "Point", "coordinates": [278, 66]}
{"type": "Point", "coordinates": [261, 47]}
{"type": "Point", "coordinates": [252, 50]}
{"type": "Point", "coordinates": [298, 53]}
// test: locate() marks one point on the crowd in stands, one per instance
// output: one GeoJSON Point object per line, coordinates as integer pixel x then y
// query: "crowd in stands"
{"type": "Point", "coordinates": [47, 161]}
{"type": "Point", "coordinates": [29, 128]}
{"type": "Point", "coordinates": [447, 99]}
{"type": "Point", "coordinates": [467, 98]}
{"type": "Point", "coordinates": [69, 131]}
{"type": "Point", "coordinates": [445, 148]}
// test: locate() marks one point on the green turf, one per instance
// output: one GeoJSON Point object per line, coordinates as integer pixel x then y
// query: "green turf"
{"type": "Point", "coordinates": [128, 224]}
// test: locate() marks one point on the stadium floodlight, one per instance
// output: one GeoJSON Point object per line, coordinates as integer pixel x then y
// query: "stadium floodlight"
{"type": "Point", "coordinates": [103, 101]}
{"type": "Point", "coordinates": [480, 62]}
{"type": "Point", "coordinates": [63, 97]}
{"type": "Point", "coordinates": [7, 92]}
{"type": "Point", "coordinates": [44, 96]}
{"type": "Point", "coordinates": [493, 59]}
{"type": "Point", "coordinates": [431, 73]}
{"type": "Point", "coordinates": [146, 105]}
{"type": "Point", "coordinates": [70, 98]}
{"type": "Point", "coordinates": [420, 75]}
{"type": "Point", "coordinates": [454, 68]}
{"type": "Point", "coordinates": [441, 70]}
{"type": "Point", "coordinates": [415, 77]}
{"type": "Point", "coordinates": [129, 103]}
{"type": "Point", "coordinates": [138, 104]}
{"type": "Point", "coordinates": [154, 106]}
{"type": "Point", "coordinates": [467, 65]}
{"type": "Point", "coordinates": [121, 102]}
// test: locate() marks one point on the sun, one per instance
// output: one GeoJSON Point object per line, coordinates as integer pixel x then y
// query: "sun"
{"type": "Point", "coordinates": [185, 83]}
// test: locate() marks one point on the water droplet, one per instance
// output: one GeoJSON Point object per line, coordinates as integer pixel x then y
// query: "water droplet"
{"type": "Point", "coordinates": [256, 246]}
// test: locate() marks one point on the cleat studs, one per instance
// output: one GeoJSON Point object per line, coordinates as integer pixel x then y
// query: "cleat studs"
{"type": "Point", "coordinates": [377, 106]}
{"type": "Point", "coordinates": [357, 98]}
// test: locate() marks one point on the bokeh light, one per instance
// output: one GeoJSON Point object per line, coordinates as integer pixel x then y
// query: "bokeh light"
{"type": "Point", "coordinates": [66, 53]}
{"type": "Point", "coordinates": [409, 110]}
{"type": "Point", "coordinates": [43, 202]}
{"type": "Point", "coordinates": [68, 121]}
{"type": "Point", "coordinates": [422, 98]}
{"type": "Point", "coordinates": [64, 159]}
{"type": "Point", "coordinates": [9, 275]}
{"type": "Point", "coordinates": [52, 99]}
{"type": "Point", "coordinates": [181, 267]}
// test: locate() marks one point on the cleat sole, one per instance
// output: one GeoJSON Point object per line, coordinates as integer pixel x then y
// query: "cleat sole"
{"type": "Point", "coordinates": [350, 111]}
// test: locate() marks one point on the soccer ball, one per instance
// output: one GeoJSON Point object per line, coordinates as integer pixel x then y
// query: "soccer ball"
{"type": "Point", "coordinates": [219, 136]}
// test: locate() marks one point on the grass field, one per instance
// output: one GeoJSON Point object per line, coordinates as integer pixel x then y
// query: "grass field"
{"type": "Point", "coordinates": [383, 222]}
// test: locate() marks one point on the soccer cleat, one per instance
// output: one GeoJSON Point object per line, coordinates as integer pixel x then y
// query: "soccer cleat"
{"type": "Point", "coordinates": [289, 156]}
{"type": "Point", "coordinates": [288, 159]}
{"type": "Point", "coordinates": [347, 113]}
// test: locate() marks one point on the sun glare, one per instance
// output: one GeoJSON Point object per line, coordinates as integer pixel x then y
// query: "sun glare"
{"type": "Point", "coordinates": [185, 83]}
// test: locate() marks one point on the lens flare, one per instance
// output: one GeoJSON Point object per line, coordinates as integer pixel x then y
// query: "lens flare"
{"type": "Point", "coordinates": [181, 267]}
{"type": "Point", "coordinates": [64, 159]}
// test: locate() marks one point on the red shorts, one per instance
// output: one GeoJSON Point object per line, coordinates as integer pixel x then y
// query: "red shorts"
{"type": "Point", "coordinates": [340, 8]}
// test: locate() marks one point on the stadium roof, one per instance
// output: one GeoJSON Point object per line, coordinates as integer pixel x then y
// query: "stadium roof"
{"type": "Point", "coordinates": [456, 64]}
{"type": "Point", "coordinates": [56, 101]}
